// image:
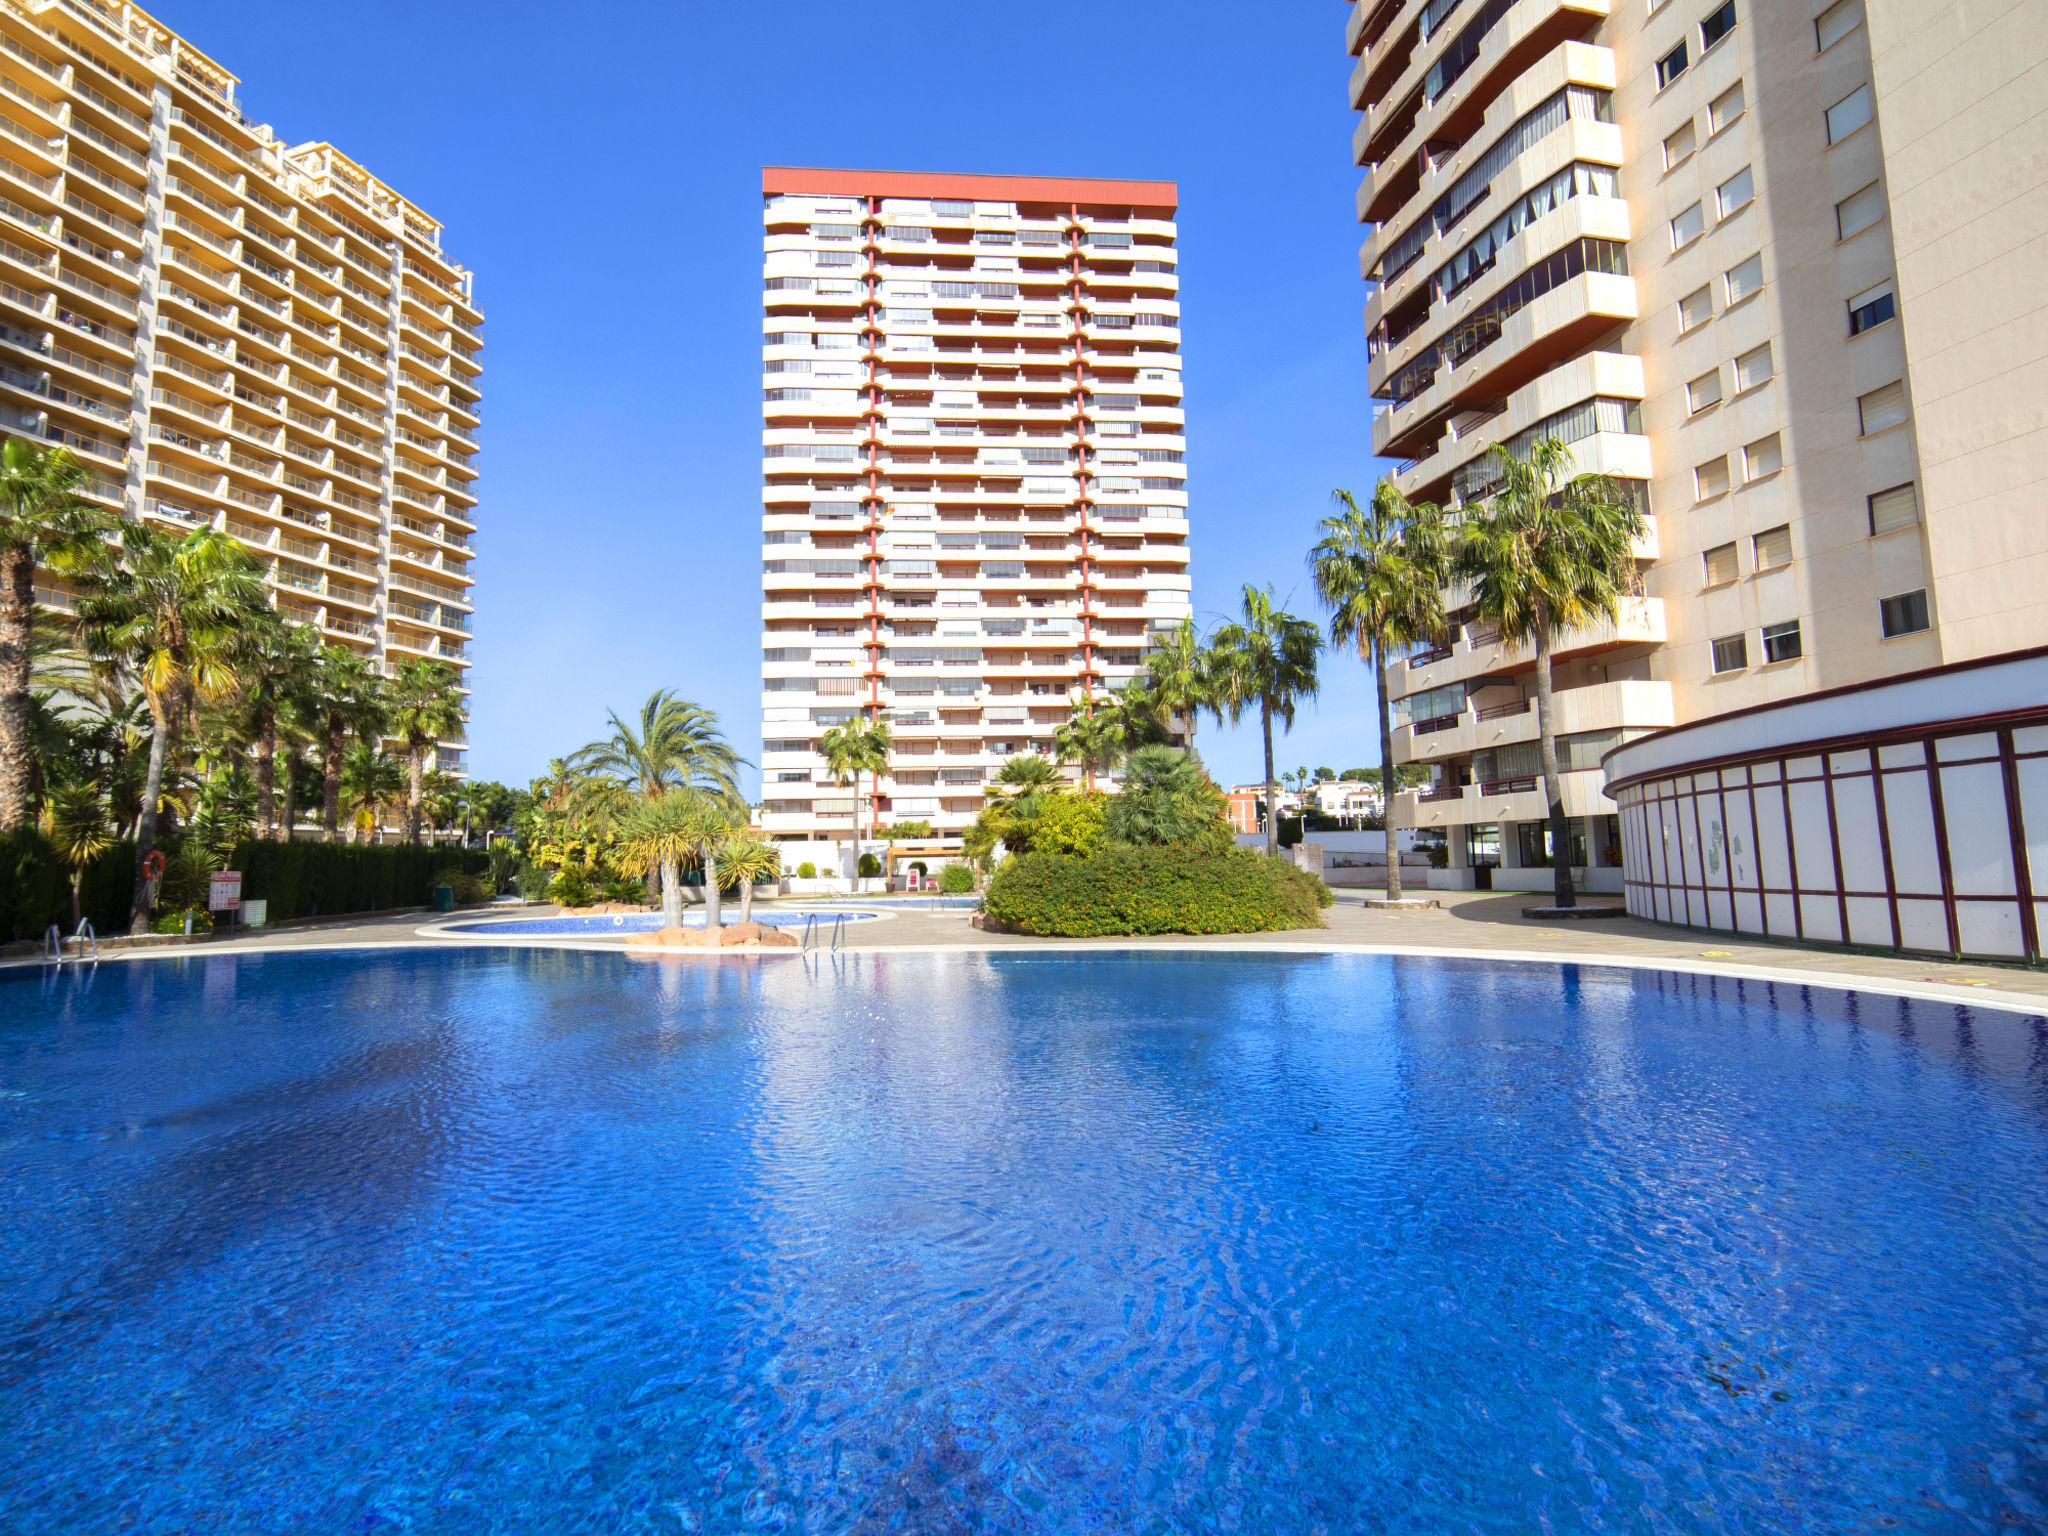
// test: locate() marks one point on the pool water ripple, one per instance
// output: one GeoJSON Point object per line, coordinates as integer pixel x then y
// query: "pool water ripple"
{"type": "Point", "coordinates": [468, 1241]}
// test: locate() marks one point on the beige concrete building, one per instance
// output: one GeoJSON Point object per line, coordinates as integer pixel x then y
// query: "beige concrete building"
{"type": "Point", "coordinates": [974, 495]}
{"type": "Point", "coordinates": [236, 333]}
{"type": "Point", "coordinates": [1775, 268]}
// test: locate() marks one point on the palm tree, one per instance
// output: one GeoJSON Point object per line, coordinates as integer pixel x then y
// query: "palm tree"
{"type": "Point", "coordinates": [440, 799]}
{"type": "Point", "coordinates": [348, 701]}
{"type": "Point", "coordinates": [674, 745]}
{"type": "Point", "coordinates": [299, 726]}
{"type": "Point", "coordinates": [279, 674]}
{"type": "Point", "coordinates": [1179, 679]}
{"type": "Point", "coordinates": [1270, 658]}
{"type": "Point", "coordinates": [671, 829]}
{"type": "Point", "coordinates": [177, 612]}
{"type": "Point", "coordinates": [750, 860]}
{"type": "Point", "coordinates": [1547, 552]}
{"type": "Point", "coordinates": [860, 746]}
{"type": "Point", "coordinates": [1381, 570]}
{"type": "Point", "coordinates": [41, 518]}
{"type": "Point", "coordinates": [1167, 798]}
{"type": "Point", "coordinates": [75, 822]}
{"type": "Point", "coordinates": [1093, 736]}
{"type": "Point", "coordinates": [370, 780]}
{"type": "Point", "coordinates": [425, 701]}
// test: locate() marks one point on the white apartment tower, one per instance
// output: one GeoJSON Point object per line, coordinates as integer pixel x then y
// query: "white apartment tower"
{"type": "Point", "coordinates": [974, 504]}
{"type": "Point", "coordinates": [237, 333]}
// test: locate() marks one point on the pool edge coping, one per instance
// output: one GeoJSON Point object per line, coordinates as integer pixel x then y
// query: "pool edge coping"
{"type": "Point", "coordinates": [429, 937]}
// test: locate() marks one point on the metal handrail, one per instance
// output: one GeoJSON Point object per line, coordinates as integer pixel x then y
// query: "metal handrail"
{"type": "Point", "coordinates": [54, 941]}
{"type": "Point", "coordinates": [53, 944]}
{"type": "Point", "coordinates": [85, 936]}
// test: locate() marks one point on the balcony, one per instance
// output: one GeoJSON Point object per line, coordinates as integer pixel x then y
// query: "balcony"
{"type": "Point", "coordinates": [1640, 704]}
{"type": "Point", "coordinates": [1641, 622]}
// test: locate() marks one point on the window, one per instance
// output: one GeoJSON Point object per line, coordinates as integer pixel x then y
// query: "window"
{"type": "Point", "coordinates": [1896, 508]}
{"type": "Point", "coordinates": [1721, 565]}
{"type": "Point", "coordinates": [1736, 192]}
{"type": "Point", "coordinates": [1671, 66]}
{"type": "Point", "coordinates": [1872, 307]}
{"type": "Point", "coordinates": [1858, 211]}
{"type": "Point", "coordinates": [1719, 23]}
{"type": "Point", "coordinates": [1695, 309]}
{"type": "Point", "coordinates": [1905, 614]}
{"type": "Point", "coordinates": [1765, 456]}
{"type": "Point", "coordinates": [1781, 642]}
{"type": "Point", "coordinates": [1837, 22]}
{"type": "Point", "coordinates": [1727, 107]}
{"type": "Point", "coordinates": [836, 258]}
{"type": "Point", "coordinates": [1772, 548]}
{"type": "Point", "coordinates": [1849, 114]}
{"type": "Point", "coordinates": [1754, 367]}
{"type": "Point", "coordinates": [1688, 226]}
{"type": "Point", "coordinates": [943, 209]}
{"type": "Point", "coordinates": [1680, 145]}
{"type": "Point", "coordinates": [1703, 392]}
{"type": "Point", "coordinates": [1711, 478]}
{"type": "Point", "coordinates": [1731, 653]}
{"type": "Point", "coordinates": [1745, 278]}
{"type": "Point", "coordinates": [1883, 407]}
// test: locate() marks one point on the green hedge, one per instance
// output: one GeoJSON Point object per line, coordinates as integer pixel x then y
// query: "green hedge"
{"type": "Point", "coordinates": [297, 879]}
{"type": "Point", "coordinates": [1123, 890]}
{"type": "Point", "coordinates": [336, 879]}
{"type": "Point", "coordinates": [35, 887]}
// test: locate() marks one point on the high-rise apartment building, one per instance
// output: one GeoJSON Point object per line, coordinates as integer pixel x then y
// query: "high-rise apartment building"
{"type": "Point", "coordinates": [235, 333]}
{"type": "Point", "coordinates": [974, 501]}
{"type": "Point", "coordinates": [1769, 266]}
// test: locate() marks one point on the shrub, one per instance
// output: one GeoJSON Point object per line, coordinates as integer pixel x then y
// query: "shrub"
{"type": "Point", "coordinates": [633, 892]}
{"type": "Point", "coordinates": [869, 866]}
{"type": "Point", "coordinates": [1064, 824]}
{"type": "Point", "coordinates": [533, 883]}
{"type": "Point", "coordinates": [807, 871]}
{"type": "Point", "coordinates": [956, 879]}
{"type": "Point", "coordinates": [570, 889]}
{"type": "Point", "coordinates": [174, 922]}
{"type": "Point", "coordinates": [1154, 890]}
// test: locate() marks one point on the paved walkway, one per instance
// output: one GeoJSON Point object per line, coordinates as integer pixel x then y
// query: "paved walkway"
{"type": "Point", "coordinates": [1467, 923]}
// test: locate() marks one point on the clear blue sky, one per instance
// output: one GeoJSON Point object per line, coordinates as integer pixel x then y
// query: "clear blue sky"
{"type": "Point", "coordinates": [598, 167]}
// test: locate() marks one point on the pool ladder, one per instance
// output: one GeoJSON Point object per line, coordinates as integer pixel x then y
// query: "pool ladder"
{"type": "Point", "coordinates": [54, 942]}
{"type": "Point", "coordinates": [838, 920]}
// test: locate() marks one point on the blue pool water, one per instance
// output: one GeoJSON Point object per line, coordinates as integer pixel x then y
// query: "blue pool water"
{"type": "Point", "coordinates": [551, 1242]}
{"type": "Point", "coordinates": [639, 922]}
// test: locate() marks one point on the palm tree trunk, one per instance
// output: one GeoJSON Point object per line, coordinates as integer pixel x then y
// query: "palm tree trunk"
{"type": "Point", "coordinates": [289, 817]}
{"type": "Point", "coordinates": [330, 806]}
{"type": "Point", "coordinates": [266, 774]}
{"type": "Point", "coordinates": [145, 824]}
{"type": "Point", "coordinates": [17, 631]}
{"type": "Point", "coordinates": [1379, 672]}
{"type": "Point", "coordinates": [713, 915]}
{"type": "Point", "coordinates": [747, 899]}
{"type": "Point", "coordinates": [416, 766]}
{"type": "Point", "coordinates": [1553, 785]}
{"type": "Point", "coordinates": [77, 880]}
{"type": "Point", "coordinates": [1272, 793]}
{"type": "Point", "coordinates": [671, 895]}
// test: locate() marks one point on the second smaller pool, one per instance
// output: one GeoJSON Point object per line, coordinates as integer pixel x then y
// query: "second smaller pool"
{"type": "Point", "coordinates": [640, 922]}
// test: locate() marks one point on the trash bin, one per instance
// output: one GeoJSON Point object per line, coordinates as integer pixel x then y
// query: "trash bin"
{"type": "Point", "coordinates": [444, 898]}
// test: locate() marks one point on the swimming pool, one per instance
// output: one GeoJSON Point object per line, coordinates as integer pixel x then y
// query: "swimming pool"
{"type": "Point", "coordinates": [638, 922]}
{"type": "Point", "coordinates": [548, 1241]}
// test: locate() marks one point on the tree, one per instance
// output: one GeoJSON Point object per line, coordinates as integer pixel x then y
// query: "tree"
{"type": "Point", "coordinates": [674, 745]}
{"type": "Point", "coordinates": [1380, 570]}
{"type": "Point", "coordinates": [1026, 774]}
{"type": "Point", "coordinates": [348, 700]}
{"type": "Point", "coordinates": [440, 799]}
{"type": "Point", "coordinates": [277, 676]}
{"type": "Point", "coordinates": [176, 612]}
{"type": "Point", "coordinates": [425, 704]}
{"type": "Point", "coordinates": [370, 780]}
{"type": "Point", "coordinates": [850, 750]}
{"type": "Point", "coordinates": [41, 518]}
{"type": "Point", "coordinates": [1093, 736]}
{"type": "Point", "coordinates": [1269, 659]}
{"type": "Point", "coordinates": [749, 861]}
{"type": "Point", "coordinates": [75, 821]}
{"type": "Point", "coordinates": [1547, 552]}
{"type": "Point", "coordinates": [669, 830]}
{"type": "Point", "coordinates": [1180, 678]}
{"type": "Point", "coordinates": [1167, 798]}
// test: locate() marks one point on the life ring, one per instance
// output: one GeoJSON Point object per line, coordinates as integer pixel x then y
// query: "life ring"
{"type": "Point", "coordinates": [152, 864]}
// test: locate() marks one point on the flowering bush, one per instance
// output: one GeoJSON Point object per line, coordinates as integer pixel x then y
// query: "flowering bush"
{"type": "Point", "coordinates": [1154, 890]}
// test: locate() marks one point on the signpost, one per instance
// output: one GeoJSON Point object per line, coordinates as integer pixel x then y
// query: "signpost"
{"type": "Point", "coordinates": [224, 891]}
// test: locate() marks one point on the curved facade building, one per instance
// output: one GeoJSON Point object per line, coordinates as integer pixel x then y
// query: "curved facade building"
{"type": "Point", "coordinates": [1736, 256]}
